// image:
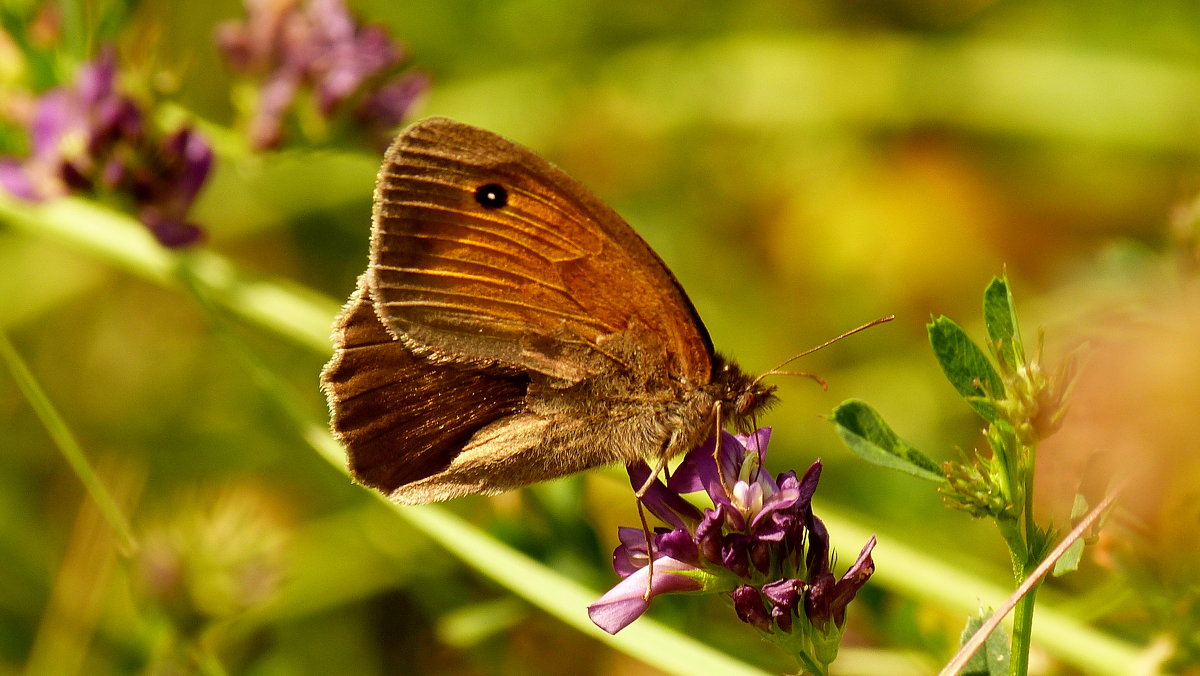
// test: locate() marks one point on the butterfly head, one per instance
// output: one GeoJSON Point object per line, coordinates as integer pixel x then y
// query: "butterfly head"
{"type": "Point", "coordinates": [741, 396]}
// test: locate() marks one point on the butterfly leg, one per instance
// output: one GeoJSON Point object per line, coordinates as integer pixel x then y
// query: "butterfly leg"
{"type": "Point", "coordinates": [639, 494]}
{"type": "Point", "coordinates": [717, 444]}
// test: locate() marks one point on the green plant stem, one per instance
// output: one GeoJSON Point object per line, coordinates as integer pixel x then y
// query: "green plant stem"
{"type": "Point", "coordinates": [68, 445]}
{"type": "Point", "coordinates": [1035, 541]}
{"type": "Point", "coordinates": [206, 662]}
{"type": "Point", "coordinates": [1019, 551]}
{"type": "Point", "coordinates": [1010, 530]}
{"type": "Point", "coordinates": [1033, 545]}
{"type": "Point", "coordinates": [811, 667]}
{"type": "Point", "coordinates": [1022, 631]}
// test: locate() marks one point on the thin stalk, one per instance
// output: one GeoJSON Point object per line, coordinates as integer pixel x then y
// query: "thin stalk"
{"type": "Point", "coordinates": [1010, 530]}
{"type": "Point", "coordinates": [206, 661]}
{"type": "Point", "coordinates": [809, 666]}
{"type": "Point", "coordinates": [1034, 539]}
{"type": "Point", "coordinates": [68, 445]}
{"type": "Point", "coordinates": [1022, 632]}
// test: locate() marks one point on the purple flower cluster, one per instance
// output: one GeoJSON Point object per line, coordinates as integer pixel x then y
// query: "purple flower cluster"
{"type": "Point", "coordinates": [760, 543]}
{"type": "Point", "coordinates": [287, 47]}
{"type": "Point", "coordinates": [88, 138]}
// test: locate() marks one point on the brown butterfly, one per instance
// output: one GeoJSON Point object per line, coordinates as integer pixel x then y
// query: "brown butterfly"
{"type": "Point", "coordinates": [512, 328]}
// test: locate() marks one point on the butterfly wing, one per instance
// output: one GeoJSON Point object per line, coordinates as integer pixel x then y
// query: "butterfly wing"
{"type": "Point", "coordinates": [541, 282]}
{"type": "Point", "coordinates": [401, 418]}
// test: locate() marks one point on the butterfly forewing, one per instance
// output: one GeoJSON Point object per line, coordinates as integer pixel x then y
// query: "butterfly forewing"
{"type": "Point", "coordinates": [539, 283]}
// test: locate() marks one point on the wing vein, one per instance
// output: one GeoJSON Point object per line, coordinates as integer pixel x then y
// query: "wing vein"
{"type": "Point", "coordinates": [451, 274]}
{"type": "Point", "coordinates": [363, 346]}
{"type": "Point", "coordinates": [474, 309]}
{"type": "Point", "coordinates": [510, 271]}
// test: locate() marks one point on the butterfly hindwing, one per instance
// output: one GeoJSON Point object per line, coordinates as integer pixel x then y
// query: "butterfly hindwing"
{"type": "Point", "coordinates": [400, 418]}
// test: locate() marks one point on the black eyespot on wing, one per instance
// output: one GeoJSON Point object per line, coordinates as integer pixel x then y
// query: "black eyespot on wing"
{"type": "Point", "coordinates": [491, 196]}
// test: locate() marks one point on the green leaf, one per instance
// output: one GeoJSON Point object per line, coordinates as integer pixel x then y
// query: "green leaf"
{"type": "Point", "coordinates": [966, 366]}
{"type": "Point", "coordinates": [1000, 319]}
{"type": "Point", "coordinates": [1069, 561]}
{"type": "Point", "coordinates": [993, 658]}
{"type": "Point", "coordinates": [865, 432]}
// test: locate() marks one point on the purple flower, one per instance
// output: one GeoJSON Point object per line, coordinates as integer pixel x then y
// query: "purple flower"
{"type": "Point", "coordinates": [88, 138]}
{"type": "Point", "coordinates": [748, 604]}
{"type": "Point", "coordinates": [760, 542]}
{"type": "Point", "coordinates": [72, 131]}
{"type": "Point", "coordinates": [663, 502]}
{"type": "Point", "coordinates": [287, 47]}
{"type": "Point", "coordinates": [626, 602]}
{"type": "Point", "coordinates": [633, 554]}
{"type": "Point", "coordinates": [345, 54]}
{"type": "Point", "coordinates": [15, 179]}
{"type": "Point", "coordinates": [182, 164]}
{"type": "Point", "coordinates": [784, 596]}
{"type": "Point", "coordinates": [753, 512]}
{"type": "Point", "coordinates": [827, 600]}
{"type": "Point", "coordinates": [384, 109]}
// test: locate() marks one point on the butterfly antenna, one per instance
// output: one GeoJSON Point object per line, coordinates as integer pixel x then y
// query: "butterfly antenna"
{"type": "Point", "coordinates": [778, 372]}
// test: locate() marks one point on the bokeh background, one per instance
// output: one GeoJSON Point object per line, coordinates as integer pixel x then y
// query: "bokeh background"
{"type": "Point", "coordinates": [803, 167]}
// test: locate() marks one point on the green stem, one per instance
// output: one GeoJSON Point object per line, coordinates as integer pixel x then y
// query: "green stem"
{"type": "Point", "coordinates": [1010, 530]}
{"type": "Point", "coordinates": [1035, 540]}
{"type": "Point", "coordinates": [1022, 633]}
{"type": "Point", "coordinates": [206, 661]}
{"type": "Point", "coordinates": [68, 445]}
{"type": "Point", "coordinates": [809, 666]}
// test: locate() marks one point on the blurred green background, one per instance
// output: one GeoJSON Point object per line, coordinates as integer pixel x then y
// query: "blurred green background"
{"type": "Point", "coordinates": [803, 167]}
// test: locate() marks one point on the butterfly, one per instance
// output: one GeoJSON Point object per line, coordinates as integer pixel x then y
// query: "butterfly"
{"type": "Point", "coordinates": [512, 328]}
